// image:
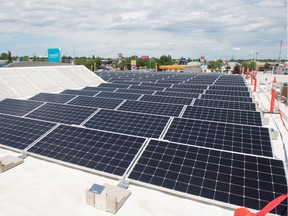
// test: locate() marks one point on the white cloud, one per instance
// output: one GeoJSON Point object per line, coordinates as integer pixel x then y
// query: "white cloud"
{"type": "Point", "coordinates": [179, 28]}
{"type": "Point", "coordinates": [236, 49]}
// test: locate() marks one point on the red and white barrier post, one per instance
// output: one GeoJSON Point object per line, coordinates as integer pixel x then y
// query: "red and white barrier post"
{"type": "Point", "coordinates": [255, 83]}
{"type": "Point", "coordinates": [273, 95]}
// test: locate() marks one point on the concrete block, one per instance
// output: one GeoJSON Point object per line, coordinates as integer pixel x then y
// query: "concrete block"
{"type": "Point", "coordinates": [107, 198]}
{"type": "Point", "coordinates": [90, 200]}
{"type": "Point", "coordinates": [274, 134]}
{"type": "Point", "coordinates": [9, 162]}
{"type": "Point", "coordinates": [265, 120]}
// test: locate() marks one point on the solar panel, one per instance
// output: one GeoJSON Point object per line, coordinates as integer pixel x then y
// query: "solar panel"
{"type": "Point", "coordinates": [79, 92]}
{"type": "Point", "coordinates": [226, 97]}
{"type": "Point", "coordinates": [231, 137]}
{"type": "Point", "coordinates": [136, 91]}
{"type": "Point", "coordinates": [114, 85]}
{"type": "Point", "coordinates": [60, 113]}
{"type": "Point", "coordinates": [102, 151]}
{"type": "Point", "coordinates": [97, 89]}
{"type": "Point", "coordinates": [223, 115]}
{"type": "Point", "coordinates": [96, 102]}
{"type": "Point", "coordinates": [232, 93]}
{"type": "Point", "coordinates": [127, 82]}
{"type": "Point", "coordinates": [225, 104]}
{"type": "Point", "coordinates": [230, 82]}
{"type": "Point", "coordinates": [119, 95]}
{"type": "Point", "coordinates": [18, 107]}
{"type": "Point", "coordinates": [229, 88]}
{"type": "Point", "coordinates": [54, 98]}
{"type": "Point", "coordinates": [91, 88]}
{"type": "Point", "coordinates": [166, 99]}
{"type": "Point", "coordinates": [128, 123]}
{"type": "Point", "coordinates": [227, 177]}
{"type": "Point", "coordinates": [190, 86]}
{"type": "Point", "coordinates": [153, 108]}
{"type": "Point", "coordinates": [169, 81]}
{"type": "Point", "coordinates": [177, 94]}
{"type": "Point", "coordinates": [18, 133]}
{"type": "Point", "coordinates": [164, 85]}
{"type": "Point", "coordinates": [155, 88]}
{"type": "Point", "coordinates": [189, 90]}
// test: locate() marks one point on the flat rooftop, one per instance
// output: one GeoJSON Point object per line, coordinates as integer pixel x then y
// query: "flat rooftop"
{"type": "Point", "coordinates": [46, 187]}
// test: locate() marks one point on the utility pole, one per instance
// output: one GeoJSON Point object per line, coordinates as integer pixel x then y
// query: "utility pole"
{"type": "Point", "coordinates": [279, 58]}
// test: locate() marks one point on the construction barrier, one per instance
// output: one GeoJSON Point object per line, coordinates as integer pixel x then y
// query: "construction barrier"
{"type": "Point", "coordinates": [273, 96]}
{"type": "Point", "coordinates": [255, 84]}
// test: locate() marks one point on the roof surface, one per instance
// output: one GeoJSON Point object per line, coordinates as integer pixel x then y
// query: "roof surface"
{"type": "Point", "coordinates": [39, 187]}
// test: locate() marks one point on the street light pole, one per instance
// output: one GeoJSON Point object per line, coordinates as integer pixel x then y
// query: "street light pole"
{"type": "Point", "coordinates": [256, 60]}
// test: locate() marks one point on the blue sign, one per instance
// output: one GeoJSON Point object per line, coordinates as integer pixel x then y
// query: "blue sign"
{"type": "Point", "coordinates": [54, 55]}
{"type": "Point", "coordinates": [183, 59]}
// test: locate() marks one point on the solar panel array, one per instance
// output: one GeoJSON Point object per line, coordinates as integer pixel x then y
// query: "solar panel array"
{"type": "Point", "coordinates": [223, 115]}
{"type": "Point", "coordinates": [102, 151]}
{"type": "Point", "coordinates": [195, 135]}
{"type": "Point", "coordinates": [227, 177]}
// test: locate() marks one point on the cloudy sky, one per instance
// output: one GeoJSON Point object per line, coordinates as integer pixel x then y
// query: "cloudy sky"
{"type": "Point", "coordinates": [188, 28]}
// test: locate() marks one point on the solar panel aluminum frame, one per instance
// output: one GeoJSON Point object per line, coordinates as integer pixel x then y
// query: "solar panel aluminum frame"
{"type": "Point", "coordinates": [35, 141]}
{"type": "Point", "coordinates": [73, 166]}
{"type": "Point", "coordinates": [219, 108]}
{"type": "Point", "coordinates": [182, 194]}
{"type": "Point", "coordinates": [82, 168]}
{"type": "Point", "coordinates": [223, 101]}
{"type": "Point", "coordinates": [227, 123]}
{"type": "Point", "coordinates": [24, 113]}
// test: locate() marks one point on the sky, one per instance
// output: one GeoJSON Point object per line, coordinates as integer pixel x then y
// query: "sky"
{"type": "Point", "coordinates": [216, 29]}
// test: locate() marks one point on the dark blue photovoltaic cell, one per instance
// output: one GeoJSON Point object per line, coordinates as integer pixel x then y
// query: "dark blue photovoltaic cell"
{"type": "Point", "coordinates": [102, 151]}
{"type": "Point", "coordinates": [155, 88]}
{"type": "Point", "coordinates": [127, 82]}
{"type": "Point", "coordinates": [97, 89]}
{"type": "Point", "coordinates": [223, 115]}
{"type": "Point", "coordinates": [136, 91]}
{"type": "Point", "coordinates": [79, 92]}
{"type": "Point", "coordinates": [164, 85]}
{"type": "Point", "coordinates": [225, 104]}
{"type": "Point", "coordinates": [190, 86]}
{"type": "Point", "coordinates": [152, 108]}
{"type": "Point", "coordinates": [54, 98]}
{"type": "Point", "coordinates": [60, 113]}
{"type": "Point", "coordinates": [231, 137]}
{"type": "Point", "coordinates": [185, 90]}
{"type": "Point", "coordinates": [119, 95]}
{"type": "Point", "coordinates": [228, 92]}
{"type": "Point", "coordinates": [114, 85]}
{"type": "Point", "coordinates": [96, 102]}
{"type": "Point", "coordinates": [166, 99]}
{"type": "Point", "coordinates": [18, 133]}
{"type": "Point", "coordinates": [128, 123]}
{"type": "Point", "coordinates": [226, 97]}
{"type": "Point", "coordinates": [229, 88]}
{"type": "Point", "coordinates": [237, 179]}
{"type": "Point", "coordinates": [18, 107]}
{"type": "Point", "coordinates": [177, 94]}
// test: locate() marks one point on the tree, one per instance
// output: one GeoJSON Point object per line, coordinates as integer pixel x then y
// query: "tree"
{"type": "Point", "coordinates": [236, 69]}
{"type": "Point", "coordinates": [4, 56]}
{"type": "Point", "coordinates": [251, 65]}
{"type": "Point", "coordinates": [165, 60]}
{"type": "Point", "coordinates": [122, 64]}
{"type": "Point", "coordinates": [215, 65]}
{"type": "Point", "coordinates": [9, 57]}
